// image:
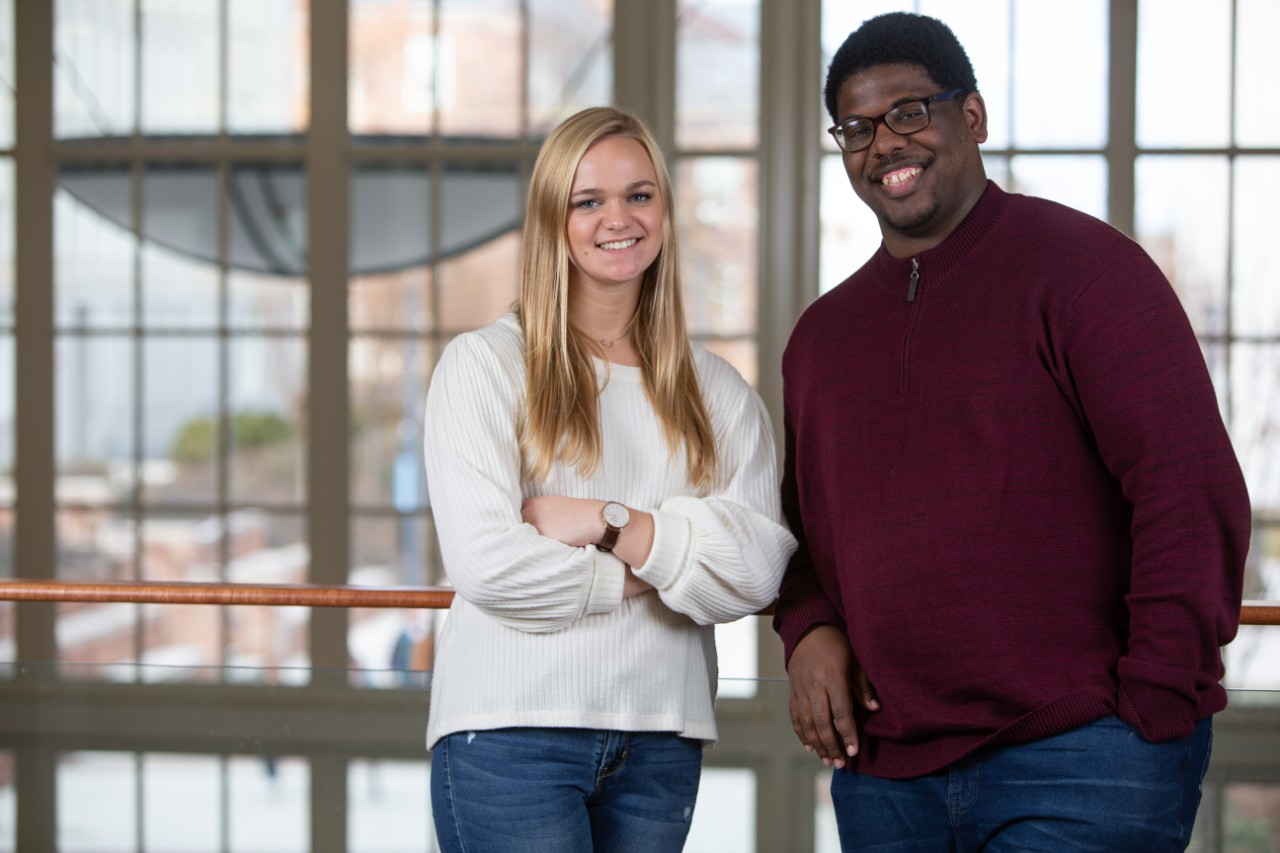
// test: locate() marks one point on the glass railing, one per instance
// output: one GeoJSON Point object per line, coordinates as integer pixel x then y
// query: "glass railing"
{"type": "Point", "coordinates": [248, 761]}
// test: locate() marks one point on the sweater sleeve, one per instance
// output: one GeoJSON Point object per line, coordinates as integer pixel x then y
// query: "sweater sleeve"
{"type": "Point", "coordinates": [1146, 396]}
{"type": "Point", "coordinates": [720, 557]}
{"type": "Point", "coordinates": [493, 559]}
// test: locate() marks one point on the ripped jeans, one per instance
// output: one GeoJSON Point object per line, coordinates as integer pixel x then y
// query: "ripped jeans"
{"type": "Point", "coordinates": [532, 790]}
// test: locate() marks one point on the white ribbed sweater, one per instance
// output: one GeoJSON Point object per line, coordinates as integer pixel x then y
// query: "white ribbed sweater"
{"type": "Point", "coordinates": [538, 634]}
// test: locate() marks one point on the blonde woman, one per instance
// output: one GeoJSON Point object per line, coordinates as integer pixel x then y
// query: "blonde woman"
{"type": "Point", "coordinates": [604, 493]}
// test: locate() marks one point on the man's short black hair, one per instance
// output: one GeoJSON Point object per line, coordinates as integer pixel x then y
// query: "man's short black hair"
{"type": "Point", "coordinates": [901, 38]}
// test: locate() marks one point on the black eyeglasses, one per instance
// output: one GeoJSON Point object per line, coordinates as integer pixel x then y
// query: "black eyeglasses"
{"type": "Point", "coordinates": [856, 133]}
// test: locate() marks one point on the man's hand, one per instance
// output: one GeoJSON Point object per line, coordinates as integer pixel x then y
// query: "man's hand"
{"type": "Point", "coordinates": [825, 681]}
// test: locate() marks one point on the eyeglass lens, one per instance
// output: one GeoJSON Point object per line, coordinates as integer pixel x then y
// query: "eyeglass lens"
{"type": "Point", "coordinates": [904, 119]}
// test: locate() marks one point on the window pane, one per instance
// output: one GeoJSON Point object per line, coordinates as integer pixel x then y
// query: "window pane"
{"type": "Point", "coordinates": [742, 353]}
{"type": "Point", "coordinates": [97, 802]}
{"type": "Point", "coordinates": [480, 62]}
{"type": "Point", "coordinates": [8, 801]}
{"type": "Point", "coordinates": [1257, 66]}
{"type": "Point", "coordinates": [1251, 817]}
{"type": "Point", "coordinates": [1046, 112]}
{"type": "Point", "coordinates": [257, 301]}
{"type": "Point", "coordinates": [269, 803]}
{"type": "Point", "coordinates": [181, 419]}
{"type": "Point", "coordinates": [738, 653]}
{"type": "Point", "coordinates": [171, 786]}
{"type": "Point", "coordinates": [717, 204]}
{"type": "Point", "coordinates": [94, 399]}
{"type": "Point", "coordinates": [391, 88]}
{"type": "Point", "coordinates": [726, 812]}
{"type": "Point", "coordinates": [94, 68]}
{"type": "Point", "coordinates": [267, 66]}
{"type": "Point", "coordinates": [718, 74]}
{"type": "Point", "coordinates": [179, 229]}
{"type": "Point", "coordinates": [481, 285]}
{"type": "Point", "coordinates": [1255, 421]}
{"type": "Point", "coordinates": [6, 92]}
{"type": "Point", "coordinates": [388, 806]}
{"type": "Point", "coordinates": [6, 241]}
{"type": "Point", "coordinates": [267, 644]}
{"type": "Point", "coordinates": [388, 389]}
{"type": "Point", "coordinates": [850, 232]}
{"type": "Point", "coordinates": [1184, 57]}
{"type": "Point", "coordinates": [570, 59]}
{"type": "Point", "coordinates": [267, 408]}
{"type": "Point", "coordinates": [268, 210]}
{"type": "Point", "coordinates": [94, 257]}
{"type": "Point", "coordinates": [1255, 296]}
{"type": "Point", "coordinates": [1181, 211]}
{"type": "Point", "coordinates": [1076, 181]}
{"type": "Point", "coordinates": [180, 87]}
{"type": "Point", "coordinates": [399, 300]}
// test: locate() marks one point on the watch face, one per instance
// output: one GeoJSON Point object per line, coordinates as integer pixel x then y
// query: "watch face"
{"type": "Point", "coordinates": [616, 515]}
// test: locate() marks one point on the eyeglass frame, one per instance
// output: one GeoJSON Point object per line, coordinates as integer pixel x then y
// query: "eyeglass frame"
{"type": "Point", "coordinates": [883, 118]}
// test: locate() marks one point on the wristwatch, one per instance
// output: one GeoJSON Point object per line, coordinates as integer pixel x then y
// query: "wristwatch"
{"type": "Point", "coordinates": [615, 517]}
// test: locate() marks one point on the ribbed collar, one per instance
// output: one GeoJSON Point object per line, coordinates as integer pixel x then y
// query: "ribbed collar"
{"type": "Point", "coordinates": [939, 261]}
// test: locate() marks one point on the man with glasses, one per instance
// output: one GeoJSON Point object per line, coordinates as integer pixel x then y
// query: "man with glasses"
{"type": "Point", "coordinates": [1022, 525]}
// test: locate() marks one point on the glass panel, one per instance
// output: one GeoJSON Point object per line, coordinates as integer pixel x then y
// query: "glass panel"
{"type": "Point", "coordinates": [94, 256]}
{"type": "Point", "coordinates": [268, 413]}
{"type": "Point", "coordinates": [1215, 359]}
{"type": "Point", "coordinates": [723, 819]}
{"type": "Point", "coordinates": [7, 429]}
{"type": "Point", "coordinates": [269, 803]}
{"type": "Point", "coordinates": [388, 389]}
{"type": "Point", "coordinates": [1046, 113]}
{"type": "Point", "coordinates": [180, 427]}
{"type": "Point", "coordinates": [8, 802]}
{"type": "Point", "coordinates": [268, 220]}
{"type": "Point", "coordinates": [1078, 181]}
{"type": "Point", "coordinates": [717, 214]}
{"type": "Point", "coordinates": [826, 839]}
{"type": "Point", "coordinates": [6, 93]}
{"type": "Point", "coordinates": [983, 27]}
{"type": "Point", "coordinates": [388, 806]}
{"type": "Point", "coordinates": [718, 74]}
{"type": "Point", "coordinates": [1181, 208]}
{"type": "Point", "coordinates": [172, 786]}
{"type": "Point", "coordinates": [181, 92]}
{"type": "Point", "coordinates": [481, 285]}
{"type": "Point", "coordinates": [394, 300]}
{"type": "Point", "coordinates": [1255, 376]}
{"type": "Point", "coordinates": [394, 62]}
{"type": "Point", "coordinates": [480, 62]}
{"type": "Point", "coordinates": [258, 301]}
{"type": "Point", "coordinates": [1257, 67]}
{"type": "Point", "coordinates": [1170, 34]}
{"type": "Point", "coordinates": [267, 66]}
{"type": "Point", "coordinates": [98, 802]}
{"type": "Point", "coordinates": [570, 59]}
{"type": "Point", "coordinates": [391, 234]}
{"type": "Point", "coordinates": [738, 651]}
{"type": "Point", "coordinates": [94, 68]}
{"type": "Point", "coordinates": [742, 353]}
{"type": "Point", "coordinates": [94, 393]}
{"type": "Point", "coordinates": [850, 233]}
{"type": "Point", "coordinates": [267, 644]}
{"type": "Point", "coordinates": [180, 221]}
{"type": "Point", "coordinates": [1255, 307]}
{"type": "Point", "coordinates": [178, 291]}
{"type": "Point", "coordinates": [6, 241]}
{"type": "Point", "coordinates": [1251, 818]}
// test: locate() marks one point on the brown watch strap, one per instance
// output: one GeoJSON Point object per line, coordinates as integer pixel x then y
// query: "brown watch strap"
{"type": "Point", "coordinates": [610, 538]}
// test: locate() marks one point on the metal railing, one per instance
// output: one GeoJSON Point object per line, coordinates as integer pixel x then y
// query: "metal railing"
{"type": "Point", "coordinates": [319, 595]}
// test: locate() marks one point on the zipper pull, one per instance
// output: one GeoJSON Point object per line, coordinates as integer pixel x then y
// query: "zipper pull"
{"type": "Point", "coordinates": [915, 280]}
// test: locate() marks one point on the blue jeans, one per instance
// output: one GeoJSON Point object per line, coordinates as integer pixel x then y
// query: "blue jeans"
{"type": "Point", "coordinates": [564, 791]}
{"type": "Point", "coordinates": [1098, 787]}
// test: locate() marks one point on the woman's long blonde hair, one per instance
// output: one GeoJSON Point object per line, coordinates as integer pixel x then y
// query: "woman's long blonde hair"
{"type": "Point", "coordinates": [561, 416]}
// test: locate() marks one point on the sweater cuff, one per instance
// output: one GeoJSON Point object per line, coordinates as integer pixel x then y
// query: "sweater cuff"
{"type": "Point", "coordinates": [672, 542]}
{"type": "Point", "coordinates": [1156, 713]}
{"type": "Point", "coordinates": [609, 573]}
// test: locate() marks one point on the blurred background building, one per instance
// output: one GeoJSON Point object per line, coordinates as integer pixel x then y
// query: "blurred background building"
{"type": "Point", "coordinates": [236, 234]}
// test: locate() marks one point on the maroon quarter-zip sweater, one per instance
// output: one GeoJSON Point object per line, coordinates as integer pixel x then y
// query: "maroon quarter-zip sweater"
{"type": "Point", "coordinates": [1012, 488]}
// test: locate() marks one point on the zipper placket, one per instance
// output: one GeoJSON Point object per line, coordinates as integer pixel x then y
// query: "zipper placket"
{"type": "Point", "coordinates": [913, 291]}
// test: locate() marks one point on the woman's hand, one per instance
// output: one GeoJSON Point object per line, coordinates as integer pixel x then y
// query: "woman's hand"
{"type": "Point", "coordinates": [577, 522]}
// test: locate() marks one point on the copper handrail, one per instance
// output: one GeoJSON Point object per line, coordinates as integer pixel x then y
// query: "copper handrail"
{"type": "Point", "coordinates": [319, 595]}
